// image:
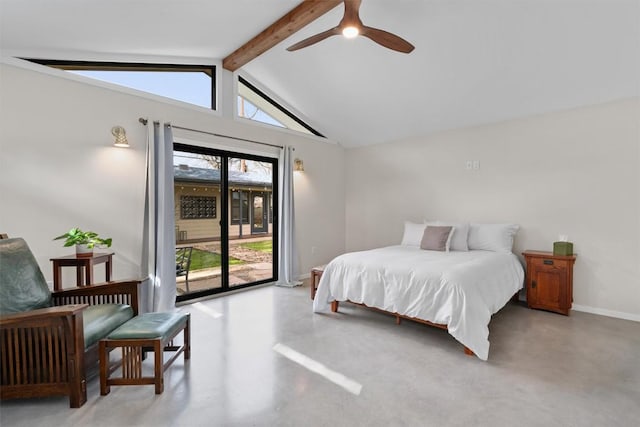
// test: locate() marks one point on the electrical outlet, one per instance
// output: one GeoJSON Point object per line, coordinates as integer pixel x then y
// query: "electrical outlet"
{"type": "Point", "coordinates": [476, 164]}
{"type": "Point", "coordinates": [469, 165]}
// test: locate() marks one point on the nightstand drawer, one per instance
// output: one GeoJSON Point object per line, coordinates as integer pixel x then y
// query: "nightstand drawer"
{"type": "Point", "coordinates": [548, 263]}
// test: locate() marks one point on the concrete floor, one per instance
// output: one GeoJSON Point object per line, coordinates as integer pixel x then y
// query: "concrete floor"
{"type": "Point", "coordinates": [544, 369]}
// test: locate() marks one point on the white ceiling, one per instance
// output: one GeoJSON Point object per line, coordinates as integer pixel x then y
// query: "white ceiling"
{"type": "Point", "coordinates": [475, 62]}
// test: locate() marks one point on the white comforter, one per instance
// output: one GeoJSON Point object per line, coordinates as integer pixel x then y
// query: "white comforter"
{"type": "Point", "coordinates": [458, 289]}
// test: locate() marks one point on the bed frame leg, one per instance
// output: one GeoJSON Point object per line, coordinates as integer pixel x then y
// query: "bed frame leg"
{"type": "Point", "coordinates": [468, 351]}
{"type": "Point", "coordinates": [334, 306]}
{"type": "Point", "coordinates": [398, 320]}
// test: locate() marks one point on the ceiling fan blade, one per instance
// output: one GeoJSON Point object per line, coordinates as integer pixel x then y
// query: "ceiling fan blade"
{"type": "Point", "coordinates": [387, 39]}
{"type": "Point", "coordinates": [314, 39]}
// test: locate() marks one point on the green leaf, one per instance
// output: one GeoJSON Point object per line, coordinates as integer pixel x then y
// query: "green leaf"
{"type": "Point", "coordinates": [75, 236]}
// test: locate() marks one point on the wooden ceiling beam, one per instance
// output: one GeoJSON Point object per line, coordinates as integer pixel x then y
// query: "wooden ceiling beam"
{"type": "Point", "coordinates": [296, 19]}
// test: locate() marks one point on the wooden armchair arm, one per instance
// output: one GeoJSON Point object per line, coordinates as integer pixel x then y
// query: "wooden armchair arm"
{"type": "Point", "coordinates": [42, 353]}
{"type": "Point", "coordinates": [41, 314]}
{"type": "Point", "coordinates": [119, 292]}
{"type": "Point", "coordinates": [99, 288]}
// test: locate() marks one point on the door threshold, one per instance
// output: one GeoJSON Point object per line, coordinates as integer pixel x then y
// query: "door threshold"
{"type": "Point", "coordinates": [223, 294]}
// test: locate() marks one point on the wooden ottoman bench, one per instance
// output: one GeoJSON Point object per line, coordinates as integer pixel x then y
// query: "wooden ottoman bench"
{"type": "Point", "coordinates": [146, 332]}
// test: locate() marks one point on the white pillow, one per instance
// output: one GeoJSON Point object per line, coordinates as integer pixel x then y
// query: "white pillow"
{"type": "Point", "coordinates": [412, 234]}
{"type": "Point", "coordinates": [492, 237]}
{"type": "Point", "coordinates": [459, 234]}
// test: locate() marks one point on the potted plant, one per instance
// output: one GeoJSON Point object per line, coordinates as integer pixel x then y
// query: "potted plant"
{"type": "Point", "coordinates": [84, 241]}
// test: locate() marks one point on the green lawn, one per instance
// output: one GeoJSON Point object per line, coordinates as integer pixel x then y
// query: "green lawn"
{"type": "Point", "coordinates": [203, 259]}
{"type": "Point", "coordinates": [262, 246]}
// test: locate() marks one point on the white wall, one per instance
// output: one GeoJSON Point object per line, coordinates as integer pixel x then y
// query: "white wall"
{"type": "Point", "coordinates": [575, 172]}
{"type": "Point", "coordinates": [58, 168]}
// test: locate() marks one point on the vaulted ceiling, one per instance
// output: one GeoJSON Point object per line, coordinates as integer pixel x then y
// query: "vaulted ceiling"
{"type": "Point", "coordinates": [475, 61]}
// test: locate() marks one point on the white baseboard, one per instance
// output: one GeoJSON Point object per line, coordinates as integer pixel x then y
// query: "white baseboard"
{"type": "Point", "coordinates": [609, 313]}
{"type": "Point", "coordinates": [304, 276]}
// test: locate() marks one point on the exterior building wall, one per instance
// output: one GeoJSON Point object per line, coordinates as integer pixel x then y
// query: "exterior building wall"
{"type": "Point", "coordinates": [209, 228]}
{"type": "Point", "coordinates": [192, 229]}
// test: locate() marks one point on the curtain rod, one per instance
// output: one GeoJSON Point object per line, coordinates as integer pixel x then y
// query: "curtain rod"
{"type": "Point", "coordinates": [145, 121]}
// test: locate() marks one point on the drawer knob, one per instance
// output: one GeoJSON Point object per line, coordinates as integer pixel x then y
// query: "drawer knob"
{"type": "Point", "coordinates": [533, 284]}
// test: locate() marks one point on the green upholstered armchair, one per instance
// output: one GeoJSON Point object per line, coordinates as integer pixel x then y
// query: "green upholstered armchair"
{"type": "Point", "coordinates": [49, 339]}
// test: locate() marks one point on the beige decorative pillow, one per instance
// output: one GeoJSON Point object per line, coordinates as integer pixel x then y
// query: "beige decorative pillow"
{"type": "Point", "coordinates": [435, 238]}
{"type": "Point", "coordinates": [459, 234]}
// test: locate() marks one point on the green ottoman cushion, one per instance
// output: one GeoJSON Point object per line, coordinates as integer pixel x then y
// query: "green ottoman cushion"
{"type": "Point", "coordinates": [101, 319]}
{"type": "Point", "coordinates": [149, 325]}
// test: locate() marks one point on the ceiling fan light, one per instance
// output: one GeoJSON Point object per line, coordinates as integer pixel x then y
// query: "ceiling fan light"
{"type": "Point", "coordinates": [350, 32]}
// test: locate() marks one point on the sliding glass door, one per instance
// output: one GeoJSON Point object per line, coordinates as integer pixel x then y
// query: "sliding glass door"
{"type": "Point", "coordinates": [226, 205]}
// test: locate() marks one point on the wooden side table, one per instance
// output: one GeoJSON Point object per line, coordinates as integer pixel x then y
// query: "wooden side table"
{"type": "Point", "coordinates": [84, 268]}
{"type": "Point", "coordinates": [549, 281]}
{"type": "Point", "coordinates": [316, 274]}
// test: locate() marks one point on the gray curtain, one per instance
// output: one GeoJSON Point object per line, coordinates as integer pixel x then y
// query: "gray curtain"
{"type": "Point", "coordinates": [287, 265]}
{"type": "Point", "coordinates": [159, 257]}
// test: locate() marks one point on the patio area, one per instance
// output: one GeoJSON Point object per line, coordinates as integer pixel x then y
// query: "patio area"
{"type": "Point", "coordinates": [251, 265]}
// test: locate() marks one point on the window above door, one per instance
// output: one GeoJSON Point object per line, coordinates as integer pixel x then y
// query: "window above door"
{"type": "Point", "coordinates": [254, 104]}
{"type": "Point", "coordinates": [194, 84]}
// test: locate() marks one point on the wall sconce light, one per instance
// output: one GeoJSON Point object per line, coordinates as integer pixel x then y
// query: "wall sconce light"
{"type": "Point", "coordinates": [298, 165]}
{"type": "Point", "coordinates": [121, 137]}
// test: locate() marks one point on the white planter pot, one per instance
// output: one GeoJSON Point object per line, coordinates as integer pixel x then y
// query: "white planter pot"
{"type": "Point", "coordinates": [83, 250]}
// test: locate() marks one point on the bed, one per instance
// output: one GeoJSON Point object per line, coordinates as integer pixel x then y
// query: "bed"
{"type": "Point", "coordinates": [456, 290]}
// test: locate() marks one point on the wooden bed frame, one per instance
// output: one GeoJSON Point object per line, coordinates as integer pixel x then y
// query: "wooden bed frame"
{"type": "Point", "coordinates": [399, 317]}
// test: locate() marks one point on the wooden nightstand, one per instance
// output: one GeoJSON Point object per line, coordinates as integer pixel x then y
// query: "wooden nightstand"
{"type": "Point", "coordinates": [549, 281]}
{"type": "Point", "coordinates": [316, 275]}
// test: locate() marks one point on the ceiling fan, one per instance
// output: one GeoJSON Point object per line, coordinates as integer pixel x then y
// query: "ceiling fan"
{"type": "Point", "coordinates": [351, 26]}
